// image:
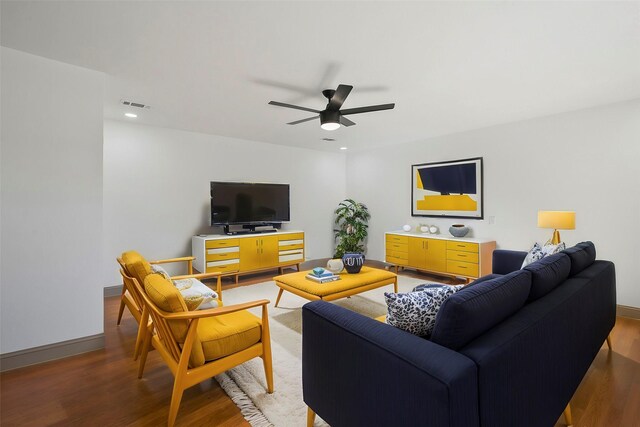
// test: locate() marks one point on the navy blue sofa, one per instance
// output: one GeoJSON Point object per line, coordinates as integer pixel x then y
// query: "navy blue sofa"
{"type": "Point", "coordinates": [510, 349]}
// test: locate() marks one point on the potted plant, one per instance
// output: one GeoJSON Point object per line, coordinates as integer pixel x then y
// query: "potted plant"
{"type": "Point", "coordinates": [351, 219]}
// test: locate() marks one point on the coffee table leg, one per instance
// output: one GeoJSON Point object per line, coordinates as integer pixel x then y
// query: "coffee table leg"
{"type": "Point", "coordinates": [279, 295]}
{"type": "Point", "coordinates": [395, 285]}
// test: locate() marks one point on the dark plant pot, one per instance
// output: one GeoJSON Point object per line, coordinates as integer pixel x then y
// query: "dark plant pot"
{"type": "Point", "coordinates": [353, 262]}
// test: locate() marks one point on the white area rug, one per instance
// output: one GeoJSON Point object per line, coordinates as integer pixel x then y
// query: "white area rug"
{"type": "Point", "coordinates": [285, 406]}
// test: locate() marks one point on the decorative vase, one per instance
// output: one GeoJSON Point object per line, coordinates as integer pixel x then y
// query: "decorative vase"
{"type": "Point", "coordinates": [353, 262]}
{"type": "Point", "coordinates": [458, 230]}
{"type": "Point", "coordinates": [424, 228]}
{"type": "Point", "coordinates": [335, 265]}
{"type": "Point", "coordinates": [433, 229]}
{"type": "Point", "coordinates": [406, 227]}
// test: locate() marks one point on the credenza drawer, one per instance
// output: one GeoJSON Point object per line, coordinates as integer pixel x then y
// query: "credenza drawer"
{"type": "Point", "coordinates": [223, 243]}
{"type": "Point", "coordinates": [462, 256]}
{"type": "Point", "coordinates": [222, 255]}
{"type": "Point", "coordinates": [397, 254]}
{"type": "Point", "coordinates": [392, 238]}
{"type": "Point", "coordinates": [223, 268]}
{"type": "Point", "coordinates": [292, 236]}
{"type": "Point", "coordinates": [462, 246]}
{"type": "Point", "coordinates": [398, 261]}
{"type": "Point", "coordinates": [290, 247]}
{"type": "Point", "coordinates": [398, 247]}
{"type": "Point", "coordinates": [463, 268]}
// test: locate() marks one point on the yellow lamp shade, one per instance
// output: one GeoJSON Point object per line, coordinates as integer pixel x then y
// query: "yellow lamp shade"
{"type": "Point", "coordinates": [559, 220]}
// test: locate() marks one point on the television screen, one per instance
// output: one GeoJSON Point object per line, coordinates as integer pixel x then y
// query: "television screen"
{"type": "Point", "coordinates": [247, 203]}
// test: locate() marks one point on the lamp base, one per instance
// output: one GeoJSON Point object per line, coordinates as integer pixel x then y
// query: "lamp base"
{"type": "Point", "coordinates": [555, 239]}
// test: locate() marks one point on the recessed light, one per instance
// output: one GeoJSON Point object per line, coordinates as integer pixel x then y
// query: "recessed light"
{"type": "Point", "coordinates": [343, 148]}
{"type": "Point", "coordinates": [131, 115]}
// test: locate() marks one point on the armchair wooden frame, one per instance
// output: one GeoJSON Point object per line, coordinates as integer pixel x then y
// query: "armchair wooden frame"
{"type": "Point", "coordinates": [176, 355]}
{"type": "Point", "coordinates": [133, 299]}
{"type": "Point", "coordinates": [130, 300]}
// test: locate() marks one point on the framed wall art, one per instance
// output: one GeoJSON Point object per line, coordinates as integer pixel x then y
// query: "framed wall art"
{"type": "Point", "coordinates": [451, 189]}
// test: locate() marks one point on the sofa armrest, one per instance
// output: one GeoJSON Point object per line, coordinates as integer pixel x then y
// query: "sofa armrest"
{"type": "Point", "coordinates": [506, 261]}
{"type": "Point", "coordinates": [358, 371]}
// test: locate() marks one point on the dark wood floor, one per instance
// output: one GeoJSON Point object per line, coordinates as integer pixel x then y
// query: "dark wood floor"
{"type": "Point", "coordinates": [101, 389]}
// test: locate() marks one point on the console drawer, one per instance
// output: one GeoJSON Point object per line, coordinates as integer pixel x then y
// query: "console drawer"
{"type": "Point", "coordinates": [396, 254]}
{"type": "Point", "coordinates": [218, 256]}
{"type": "Point", "coordinates": [222, 243]}
{"type": "Point", "coordinates": [462, 256]}
{"type": "Point", "coordinates": [463, 268]}
{"type": "Point", "coordinates": [398, 261]}
{"type": "Point", "coordinates": [291, 236]}
{"type": "Point", "coordinates": [223, 268]}
{"type": "Point", "coordinates": [392, 238]}
{"type": "Point", "coordinates": [397, 247]}
{"type": "Point", "coordinates": [462, 246]}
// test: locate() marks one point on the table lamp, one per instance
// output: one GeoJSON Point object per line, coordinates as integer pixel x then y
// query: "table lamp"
{"type": "Point", "coordinates": [558, 220]}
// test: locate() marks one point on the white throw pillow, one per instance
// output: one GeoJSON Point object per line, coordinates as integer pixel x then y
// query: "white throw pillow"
{"type": "Point", "coordinates": [550, 249]}
{"type": "Point", "coordinates": [415, 312]}
{"type": "Point", "coordinates": [196, 294]}
{"type": "Point", "coordinates": [535, 254]}
{"type": "Point", "coordinates": [538, 252]}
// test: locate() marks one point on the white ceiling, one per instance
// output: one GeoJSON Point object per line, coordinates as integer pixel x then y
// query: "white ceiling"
{"type": "Point", "coordinates": [449, 66]}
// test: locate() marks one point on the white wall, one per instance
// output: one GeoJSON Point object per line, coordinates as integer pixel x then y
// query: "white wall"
{"type": "Point", "coordinates": [51, 219]}
{"type": "Point", "coordinates": [587, 161]}
{"type": "Point", "coordinates": [156, 188]}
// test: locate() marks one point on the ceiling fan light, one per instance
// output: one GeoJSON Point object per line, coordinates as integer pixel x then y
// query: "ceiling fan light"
{"type": "Point", "coordinates": [330, 126]}
{"type": "Point", "coordinates": [329, 120]}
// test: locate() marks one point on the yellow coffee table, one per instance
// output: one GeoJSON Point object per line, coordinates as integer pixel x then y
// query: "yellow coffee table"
{"type": "Point", "coordinates": [349, 284]}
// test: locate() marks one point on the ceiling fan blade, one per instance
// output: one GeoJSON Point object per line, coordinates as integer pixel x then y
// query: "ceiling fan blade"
{"type": "Point", "coordinates": [282, 104]}
{"type": "Point", "coordinates": [339, 97]}
{"type": "Point", "coordinates": [368, 109]}
{"type": "Point", "coordinates": [346, 122]}
{"type": "Point", "coordinates": [303, 120]}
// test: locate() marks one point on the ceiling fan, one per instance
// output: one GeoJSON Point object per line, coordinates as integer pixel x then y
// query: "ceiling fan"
{"type": "Point", "coordinates": [332, 116]}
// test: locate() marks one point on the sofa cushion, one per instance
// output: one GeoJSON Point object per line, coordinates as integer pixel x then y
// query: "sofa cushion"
{"type": "Point", "coordinates": [547, 273]}
{"type": "Point", "coordinates": [476, 309]}
{"type": "Point", "coordinates": [484, 279]}
{"type": "Point", "coordinates": [415, 312]}
{"type": "Point", "coordinates": [582, 256]}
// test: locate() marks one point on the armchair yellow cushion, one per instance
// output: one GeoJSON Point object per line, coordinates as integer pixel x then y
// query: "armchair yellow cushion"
{"type": "Point", "coordinates": [227, 334]}
{"type": "Point", "coordinates": [136, 266]}
{"type": "Point", "coordinates": [167, 298]}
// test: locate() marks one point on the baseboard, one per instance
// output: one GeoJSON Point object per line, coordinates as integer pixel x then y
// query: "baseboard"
{"type": "Point", "coordinates": [49, 352]}
{"type": "Point", "coordinates": [112, 291]}
{"type": "Point", "coordinates": [627, 311]}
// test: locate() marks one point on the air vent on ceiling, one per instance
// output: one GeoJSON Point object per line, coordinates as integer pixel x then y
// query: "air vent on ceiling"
{"type": "Point", "coordinates": [328, 139]}
{"type": "Point", "coordinates": [134, 104]}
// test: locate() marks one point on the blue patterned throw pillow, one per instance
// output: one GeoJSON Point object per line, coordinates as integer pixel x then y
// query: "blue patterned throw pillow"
{"type": "Point", "coordinates": [415, 312]}
{"type": "Point", "coordinates": [535, 254]}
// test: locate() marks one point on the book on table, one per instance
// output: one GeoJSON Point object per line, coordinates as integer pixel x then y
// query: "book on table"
{"type": "Point", "coordinates": [324, 279]}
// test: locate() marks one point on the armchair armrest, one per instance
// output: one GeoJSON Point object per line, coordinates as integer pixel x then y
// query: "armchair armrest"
{"type": "Point", "coordinates": [358, 371]}
{"type": "Point", "coordinates": [188, 259]}
{"type": "Point", "coordinates": [506, 261]}
{"type": "Point", "coordinates": [218, 311]}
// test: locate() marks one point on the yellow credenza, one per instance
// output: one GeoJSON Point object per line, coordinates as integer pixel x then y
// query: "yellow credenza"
{"type": "Point", "coordinates": [460, 257]}
{"type": "Point", "coordinates": [247, 253]}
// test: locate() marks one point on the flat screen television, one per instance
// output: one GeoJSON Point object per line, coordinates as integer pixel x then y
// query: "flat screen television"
{"type": "Point", "coordinates": [249, 203]}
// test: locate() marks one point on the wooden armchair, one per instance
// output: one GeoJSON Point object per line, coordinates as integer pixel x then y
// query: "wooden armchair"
{"type": "Point", "coordinates": [135, 267]}
{"type": "Point", "coordinates": [128, 297]}
{"type": "Point", "coordinates": [200, 344]}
